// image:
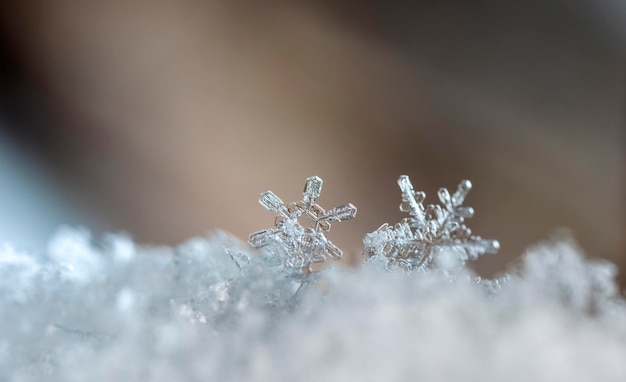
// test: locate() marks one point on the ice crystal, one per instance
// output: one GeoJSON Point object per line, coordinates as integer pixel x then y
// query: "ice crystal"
{"type": "Point", "coordinates": [294, 246]}
{"type": "Point", "coordinates": [431, 231]}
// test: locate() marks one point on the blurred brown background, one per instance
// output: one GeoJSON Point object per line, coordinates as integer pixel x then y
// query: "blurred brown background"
{"type": "Point", "coordinates": [167, 119]}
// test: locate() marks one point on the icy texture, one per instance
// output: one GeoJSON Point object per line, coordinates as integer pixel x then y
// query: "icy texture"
{"type": "Point", "coordinates": [433, 235]}
{"type": "Point", "coordinates": [293, 245]}
{"type": "Point", "coordinates": [114, 311]}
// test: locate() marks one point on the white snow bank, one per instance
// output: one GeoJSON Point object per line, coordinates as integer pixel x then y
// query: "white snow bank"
{"type": "Point", "coordinates": [114, 311]}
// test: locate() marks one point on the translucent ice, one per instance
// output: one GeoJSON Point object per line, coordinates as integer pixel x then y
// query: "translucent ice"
{"type": "Point", "coordinates": [433, 235]}
{"type": "Point", "coordinates": [294, 246]}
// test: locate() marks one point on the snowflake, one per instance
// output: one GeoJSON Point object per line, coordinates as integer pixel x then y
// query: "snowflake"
{"type": "Point", "coordinates": [295, 246]}
{"type": "Point", "coordinates": [430, 230]}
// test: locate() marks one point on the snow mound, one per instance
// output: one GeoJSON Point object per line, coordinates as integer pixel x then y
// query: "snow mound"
{"type": "Point", "coordinates": [109, 309]}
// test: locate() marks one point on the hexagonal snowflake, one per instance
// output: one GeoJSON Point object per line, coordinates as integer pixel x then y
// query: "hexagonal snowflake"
{"type": "Point", "coordinates": [429, 230]}
{"type": "Point", "coordinates": [293, 245]}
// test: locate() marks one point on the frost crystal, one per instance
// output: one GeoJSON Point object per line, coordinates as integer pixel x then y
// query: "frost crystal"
{"type": "Point", "coordinates": [430, 230]}
{"type": "Point", "coordinates": [293, 245]}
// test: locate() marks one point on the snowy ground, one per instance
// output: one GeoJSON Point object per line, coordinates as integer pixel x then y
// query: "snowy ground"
{"type": "Point", "coordinates": [108, 309]}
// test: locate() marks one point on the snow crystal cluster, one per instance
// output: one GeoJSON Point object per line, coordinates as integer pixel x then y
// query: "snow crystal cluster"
{"type": "Point", "coordinates": [211, 309]}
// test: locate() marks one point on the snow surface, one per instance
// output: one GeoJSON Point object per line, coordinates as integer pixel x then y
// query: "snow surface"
{"type": "Point", "coordinates": [111, 310]}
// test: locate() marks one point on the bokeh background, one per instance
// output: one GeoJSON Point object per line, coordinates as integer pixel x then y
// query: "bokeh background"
{"type": "Point", "coordinates": [166, 119]}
